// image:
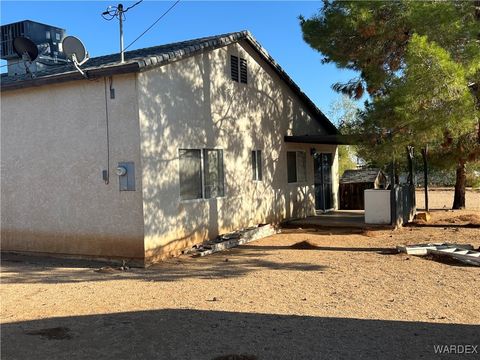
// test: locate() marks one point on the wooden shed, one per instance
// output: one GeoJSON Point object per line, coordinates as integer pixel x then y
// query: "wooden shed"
{"type": "Point", "coordinates": [354, 182]}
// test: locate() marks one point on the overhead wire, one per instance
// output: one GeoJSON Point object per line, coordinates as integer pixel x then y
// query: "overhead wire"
{"type": "Point", "coordinates": [151, 26]}
{"type": "Point", "coordinates": [114, 12]}
{"type": "Point", "coordinates": [131, 7]}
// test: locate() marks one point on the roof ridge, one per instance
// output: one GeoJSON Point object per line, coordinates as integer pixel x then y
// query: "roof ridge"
{"type": "Point", "coordinates": [177, 43]}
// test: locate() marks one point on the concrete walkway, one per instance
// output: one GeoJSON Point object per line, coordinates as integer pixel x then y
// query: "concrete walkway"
{"type": "Point", "coordinates": [335, 219]}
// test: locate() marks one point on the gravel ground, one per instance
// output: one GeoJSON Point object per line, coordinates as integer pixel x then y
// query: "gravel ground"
{"type": "Point", "coordinates": [302, 294]}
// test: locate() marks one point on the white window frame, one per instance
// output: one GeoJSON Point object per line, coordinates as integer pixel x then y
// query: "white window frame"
{"type": "Point", "coordinates": [202, 170]}
{"type": "Point", "coordinates": [296, 166]}
{"type": "Point", "coordinates": [201, 175]}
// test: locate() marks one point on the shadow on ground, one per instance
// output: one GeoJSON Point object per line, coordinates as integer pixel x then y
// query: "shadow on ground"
{"type": "Point", "coordinates": [17, 269]}
{"type": "Point", "coordinates": [192, 334]}
{"type": "Point", "coordinates": [301, 246]}
{"type": "Point", "coordinates": [444, 225]}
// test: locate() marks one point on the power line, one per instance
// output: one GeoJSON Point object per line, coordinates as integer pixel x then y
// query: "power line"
{"type": "Point", "coordinates": [131, 7]}
{"type": "Point", "coordinates": [113, 12]}
{"type": "Point", "coordinates": [151, 26]}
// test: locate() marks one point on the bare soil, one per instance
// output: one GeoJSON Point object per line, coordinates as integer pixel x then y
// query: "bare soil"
{"type": "Point", "coordinates": [302, 294]}
{"type": "Point", "coordinates": [442, 198]}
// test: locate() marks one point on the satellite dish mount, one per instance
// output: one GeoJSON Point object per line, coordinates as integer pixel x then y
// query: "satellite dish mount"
{"type": "Point", "coordinates": [75, 52]}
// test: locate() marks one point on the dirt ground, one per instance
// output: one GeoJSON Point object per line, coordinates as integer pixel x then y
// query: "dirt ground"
{"type": "Point", "coordinates": [442, 198]}
{"type": "Point", "coordinates": [302, 294]}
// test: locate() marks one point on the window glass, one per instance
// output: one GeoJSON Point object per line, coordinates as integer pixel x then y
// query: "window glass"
{"type": "Point", "coordinates": [254, 165]}
{"type": "Point", "coordinates": [257, 165]}
{"type": "Point", "coordinates": [213, 170]}
{"type": "Point", "coordinates": [301, 166]}
{"type": "Point", "coordinates": [190, 174]}
{"type": "Point", "coordinates": [292, 166]}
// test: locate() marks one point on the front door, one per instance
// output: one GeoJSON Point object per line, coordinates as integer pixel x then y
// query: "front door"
{"type": "Point", "coordinates": [322, 164]}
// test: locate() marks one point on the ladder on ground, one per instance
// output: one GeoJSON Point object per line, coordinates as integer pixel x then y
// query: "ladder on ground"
{"type": "Point", "coordinates": [469, 256]}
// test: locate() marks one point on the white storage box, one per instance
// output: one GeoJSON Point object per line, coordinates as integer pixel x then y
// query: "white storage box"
{"type": "Point", "coordinates": [377, 206]}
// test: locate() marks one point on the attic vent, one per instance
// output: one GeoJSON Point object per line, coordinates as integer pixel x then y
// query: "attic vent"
{"type": "Point", "coordinates": [243, 71]}
{"type": "Point", "coordinates": [234, 67]}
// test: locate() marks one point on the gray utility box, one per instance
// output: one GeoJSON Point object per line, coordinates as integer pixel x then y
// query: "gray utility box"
{"type": "Point", "coordinates": [126, 175]}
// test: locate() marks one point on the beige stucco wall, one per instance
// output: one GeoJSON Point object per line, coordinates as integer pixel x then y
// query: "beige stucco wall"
{"type": "Point", "coordinates": [193, 104]}
{"type": "Point", "coordinates": [53, 151]}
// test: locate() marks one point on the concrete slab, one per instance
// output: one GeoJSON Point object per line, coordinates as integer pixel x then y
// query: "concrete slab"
{"type": "Point", "coordinates": [335, 219]}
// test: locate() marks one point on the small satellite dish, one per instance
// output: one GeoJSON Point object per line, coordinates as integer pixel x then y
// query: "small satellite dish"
{"type": "Point", "coordinates": [25, 48]}
{"type": "Point", "coordinates": [74, 49]}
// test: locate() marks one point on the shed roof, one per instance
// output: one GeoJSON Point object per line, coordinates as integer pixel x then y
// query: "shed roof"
{"type": "Point", "coordinates": [360, 176]}
{"type": "Point", "coordinates": [148, 58]}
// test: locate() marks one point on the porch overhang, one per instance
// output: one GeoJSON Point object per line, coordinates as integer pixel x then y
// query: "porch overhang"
{"type": "Point", "coordinates": [322, 139]}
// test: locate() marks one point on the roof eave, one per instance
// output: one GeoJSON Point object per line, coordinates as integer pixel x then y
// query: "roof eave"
{"type": "Point", "coordinates": [74, 75]}
{"type": "Point", "coordinates": [333, 139]}
{"type": "Point", "coordinates": [150, 62]}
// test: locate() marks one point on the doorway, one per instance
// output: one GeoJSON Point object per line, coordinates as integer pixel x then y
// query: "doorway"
{"type": "Point", "coordinates": [322, 166]}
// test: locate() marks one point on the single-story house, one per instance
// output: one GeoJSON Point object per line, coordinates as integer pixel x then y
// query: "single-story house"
{"type": "Point", "coordinates": [353, 183]}
{"type": "Point", "coordinates": [145, 158]}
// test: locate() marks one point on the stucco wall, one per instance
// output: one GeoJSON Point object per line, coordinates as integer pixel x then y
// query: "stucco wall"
{"type": "Point", "coordinates": [193, 104]}
{"type": "Point", "coordinates": [53, 151]}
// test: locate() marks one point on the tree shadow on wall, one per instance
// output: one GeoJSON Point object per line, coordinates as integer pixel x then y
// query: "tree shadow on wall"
{"type": "Point", "coordinates": [202, 108]}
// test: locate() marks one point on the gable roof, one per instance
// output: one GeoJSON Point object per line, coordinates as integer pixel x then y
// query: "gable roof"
{"type": "Point", "coordinates": [148, 58]}
{"type": "Point", "coordinates": [360, 176]}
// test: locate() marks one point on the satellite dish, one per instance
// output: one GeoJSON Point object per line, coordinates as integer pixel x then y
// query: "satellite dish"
{"type": "Point", "coordinates": [25, 48]}
{"type": "Point", "coordinates": [74, 49]}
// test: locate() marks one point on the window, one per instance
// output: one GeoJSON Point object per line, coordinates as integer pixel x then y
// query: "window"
{"type": "Point", "coordinates": [213, 170]}
{"type": "Point", "coordinates": [257, 165]}
{"type": "Point", "coordinates": [296, 166]}
{"type": "Point", "coordinates": [201, 173]}
{"type": "Point", "coordinates": [234, 67]}
{"type": "Point", "coordinates": [190, 174]}
{"type": "Point", "coordinates": [238, 69]}
{"type": "Point", "coordinates": [292, 166]}
{"type": "Point", "coordinates": [301, 166]}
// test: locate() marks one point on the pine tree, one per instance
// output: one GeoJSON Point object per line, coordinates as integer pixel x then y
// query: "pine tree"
{"type": "Point", "coordinates": [420, 64]}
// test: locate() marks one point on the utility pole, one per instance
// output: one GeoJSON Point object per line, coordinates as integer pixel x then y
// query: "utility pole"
{"type": "Point", "coordinates": [118, 12]}
{"type": "Point", "coordinates": [120, 20]}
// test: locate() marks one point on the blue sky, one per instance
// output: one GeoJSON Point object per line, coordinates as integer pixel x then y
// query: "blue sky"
{"type": "Point", "coordinates": [273, 23]}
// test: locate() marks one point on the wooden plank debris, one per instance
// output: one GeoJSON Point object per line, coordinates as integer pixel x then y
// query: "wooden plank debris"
{"type": "Point", "coordinates": [226, 241]}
